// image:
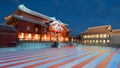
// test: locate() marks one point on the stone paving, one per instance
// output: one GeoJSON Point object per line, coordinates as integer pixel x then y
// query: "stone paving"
{"type": "Point", "coordinates": [69, 57]}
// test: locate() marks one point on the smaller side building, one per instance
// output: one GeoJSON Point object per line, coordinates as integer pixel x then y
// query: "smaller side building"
{"type": "Point", "coordinates": [96, 35]}
{"type": "Point", "coordinates": [8, 36]}
{"type": "Point", "coordinates": [115, 38]}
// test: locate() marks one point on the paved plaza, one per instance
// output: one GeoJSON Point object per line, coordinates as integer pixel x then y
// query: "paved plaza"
{"type": "Point", "coordinates": [69, 57]}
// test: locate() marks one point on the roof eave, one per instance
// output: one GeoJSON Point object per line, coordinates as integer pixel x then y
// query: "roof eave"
{"type": "Point", "coordinates": [24, 9]}
{"type": "Point", "coordinates": [28, 20]}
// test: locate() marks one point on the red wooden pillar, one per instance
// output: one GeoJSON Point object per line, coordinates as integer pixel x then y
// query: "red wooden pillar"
{"type": "Point", "coordinates": [50, 36]}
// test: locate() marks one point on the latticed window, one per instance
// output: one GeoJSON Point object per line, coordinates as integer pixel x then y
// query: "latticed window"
{"type": "Point", "coordinates": [28, 28]}
{"type": "Point", "coordinates": [36, 29]}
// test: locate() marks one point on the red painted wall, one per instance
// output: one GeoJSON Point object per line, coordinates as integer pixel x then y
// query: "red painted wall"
{"type": "Point", "coordinates": [8, 38]}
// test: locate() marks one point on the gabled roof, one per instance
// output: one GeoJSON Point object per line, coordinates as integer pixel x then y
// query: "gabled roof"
{"type": "Point", "coordinates": [28, 20]}
{"type": "Point", "coordinates": [61, 26]}
{"type": "Point", "coordinates": [116, 31]}
{"type": "Point", "coordinates": [54, 21]}
{"type": "Point", "coordinates": [99, 29]}
{"type": "Point", "coordinates": [7, 27]}
{"type": "Point", "coordinates": [31, 12]}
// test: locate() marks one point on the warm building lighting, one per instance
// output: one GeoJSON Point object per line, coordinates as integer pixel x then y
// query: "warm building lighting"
{"type": "Point", "coordinates": [108, 41]}
{"type": "Point", "coordinates": [96, 41]}
{"type": "Point", "coordinates": [93, 36]}
{"type": "Point", "coordinates": [90, 41]}
{"type": "Point", "coordinates": [29, 36]}
{"type": "Point", "coordinates": [100, 41]}
{"type": "Point", "coordinates": [61, 38]}
{"type": "Point", "coordinates": [88, 36]}
{"type": "Point", "coordinates": [93, 40]}
{"type": "Point", "coordinates": [104, 36]}
{"type": "Point", "coordinates": [36, 36]}
{"type": "Point", "coordinates": [104, 41]}
{"type": "Point", "coordinates": [66, 39]}
{"type": "Point", "coordinates": [101, 36]}
{"type": "Point", "coordinates": [84, 36]}
{"type": "Point", "coordinates": [97, 36]}
{"type": "Point", "coordinates": [48, 37]}
{"type": "Point", "coordinates": [45, 37]}
{"type": "Point", "coordinates": [21, 36]}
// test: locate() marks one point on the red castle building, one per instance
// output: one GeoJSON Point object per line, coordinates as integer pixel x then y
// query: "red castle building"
{"type": "Point", "coordinates": [33, 26]}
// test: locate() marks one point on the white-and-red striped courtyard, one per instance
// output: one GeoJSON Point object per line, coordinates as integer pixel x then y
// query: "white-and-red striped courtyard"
{"type": "Point", "coordinates": [69, 57]}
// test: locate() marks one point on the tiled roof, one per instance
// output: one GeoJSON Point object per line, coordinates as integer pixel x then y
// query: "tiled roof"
{"type": "Point", "coordinates": [7, 27]}
{"type": "Point", "coordinates": [99, 29]}
{"type": "Point", "coordinates": [28, 20]}
{"type": "Point", "coordinates": [116, 31]}
{"type": "Point", "coordinates": [31, 12]}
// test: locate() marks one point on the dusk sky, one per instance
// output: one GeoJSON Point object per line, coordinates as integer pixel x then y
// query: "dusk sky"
{"type": "Point", "coordinates": [79, 14]}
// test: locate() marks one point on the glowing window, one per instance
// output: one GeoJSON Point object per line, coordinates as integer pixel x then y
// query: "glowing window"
{"type": "Point", "coordinates": [96, 41]}
{"type": "Point", "coordinates": [100, 41]}
{"type": "Point", "coordinates": [104, 41]}
{"type": "Point", "coordinates": [90, 41]}
{"type": "Point", "coordinates": [93, 40]}
{"type": "Point", "coordinates": [84, 36]}
{"type": "Point", "coordinates": [104, 36]}
{"type": "Point", "coordinates": [108, 41]}
{"type": "Point", "coordinates": [36, 29]}
{"type": "Point", "coordinates": [88, 36]}
{"type": "Point", "coordinates": [45, 37]}
{"type": "Point", "coordinates": [66, 38]}
{"type": "Point", "coordinates": [20, 36]}
{"type": "Point", "coordinates": [36, 36]}
{"type": "Point", "coordinates": [101, 36]}
{"type": "Point", "coordinates": [97, 36]}
{"type": "Point", "coordinates": [28, 28]}
{"type": "Point", "coordinates": [29, 36]}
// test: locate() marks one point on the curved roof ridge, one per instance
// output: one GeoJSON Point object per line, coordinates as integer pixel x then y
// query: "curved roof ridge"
{"type": "Point", "coordinates": [25, 9]}
{"type": "Point", "coordinates": [28, 19]}
{"type": "Point", "coordinates": [98, 26]}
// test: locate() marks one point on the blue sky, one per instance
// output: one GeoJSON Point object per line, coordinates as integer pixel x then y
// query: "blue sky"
{"type": "Point", "coordinates": [79, 14]}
